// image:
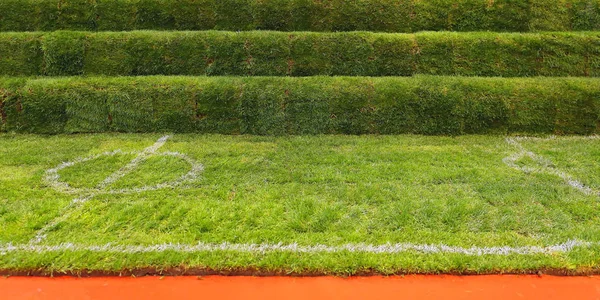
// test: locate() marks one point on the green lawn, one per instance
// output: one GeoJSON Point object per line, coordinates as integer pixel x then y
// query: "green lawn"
{"type": "Point", "coordinates": [314, 204]}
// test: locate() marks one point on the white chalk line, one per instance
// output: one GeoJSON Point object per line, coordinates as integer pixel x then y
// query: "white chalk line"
{"type": "Point", "coordinates": [65, 213]}
{"type": "Point", "coordinates": [53, 179]}
{"type": "Point", "coordinates": [351, 248]}
{"type": "Point", "coordinates": [112, 178]}
{"type": "Point", "coordinates": [554, 137]}
{"type": "Point", "coordinates": [295, 248]}
{"type": "Point", "coordinates": [546, 165]}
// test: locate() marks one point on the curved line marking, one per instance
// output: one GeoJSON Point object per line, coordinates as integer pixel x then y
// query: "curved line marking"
{"type": "Point", "coordinates": [353, 248]}
{"type": "Point", "coordinates": [52, 178]}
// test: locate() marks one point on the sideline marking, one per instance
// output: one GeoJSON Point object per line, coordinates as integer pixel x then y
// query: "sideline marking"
{"type": "Point", "coordinates": [295, 248]}
{"type": "Point", "coordinates": [546, 165]}
{"type": "Point", "coordinates": [53, 179]}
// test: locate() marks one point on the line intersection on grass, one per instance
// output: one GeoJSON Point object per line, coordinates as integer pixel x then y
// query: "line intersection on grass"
{"type": "Point", "coordinates": [76, 204]}
{"type": "Point", "coordinates": [52, 178]}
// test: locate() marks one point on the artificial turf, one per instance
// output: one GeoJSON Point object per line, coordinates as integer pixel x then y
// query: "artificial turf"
{"type": "Point", "coordinates": [303, 190]}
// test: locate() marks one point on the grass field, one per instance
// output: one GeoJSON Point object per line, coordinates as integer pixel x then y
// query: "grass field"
{"type": "Point", "coordinates": [311, 204]}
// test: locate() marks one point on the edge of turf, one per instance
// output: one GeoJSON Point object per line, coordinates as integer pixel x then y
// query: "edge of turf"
{"type": "Point", "coordinates": [249, 271]}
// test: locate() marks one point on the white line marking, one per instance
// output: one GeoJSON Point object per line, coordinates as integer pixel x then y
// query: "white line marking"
{"type": "Point", "coordinates": [66, 212]}
{"type": "Point", "coordinates": [52, 177]}
{"type": "Point", "coordinates": [554, 137]}
{"type": "Point", "coordinates": [546, 165]}
{"type": "Point", "coordinates": [112, 178]}
{"type": "Point", "coordinates": [295, 248]}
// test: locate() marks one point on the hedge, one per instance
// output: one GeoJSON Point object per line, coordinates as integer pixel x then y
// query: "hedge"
{"type": "Point", "coordinates": [21, 54]}
{"type": "Point", "coordinates": [264, 53]}
{"type": "Point", "coordinates": [301, 15]}
{"type": "Point", "coordinates": [306, 105]}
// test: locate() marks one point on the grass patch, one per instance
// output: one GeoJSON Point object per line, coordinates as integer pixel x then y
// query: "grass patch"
{"type": "Point", "coordinates": [308, 190]}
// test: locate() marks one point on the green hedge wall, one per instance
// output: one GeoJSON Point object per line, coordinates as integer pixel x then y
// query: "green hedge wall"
{"type": "Point", "coordinates": [21, 54]}
{"type": "Point", "coordinates": [301, 15]}
{"type": "Point", "coordinates": [264, 53]}
{"type": "Point", "coordinates": [307, 105]}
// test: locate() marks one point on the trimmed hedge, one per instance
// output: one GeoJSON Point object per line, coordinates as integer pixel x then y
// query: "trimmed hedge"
{"type": "Point", "coordinates": [21, 54]}
{"type": "Point", "coordinates": [308, 105]}
{"type": "Point", "coordinates": [301, 15]}
{"type": "Point", "coordinates": [263, 53]}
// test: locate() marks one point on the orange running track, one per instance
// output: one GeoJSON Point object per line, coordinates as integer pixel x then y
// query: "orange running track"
{"type": "Point", "coordinates": [217, 287]}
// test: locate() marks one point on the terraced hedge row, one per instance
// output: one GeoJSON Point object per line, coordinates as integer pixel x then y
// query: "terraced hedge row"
{"type": "Point", "coordinates": [308, 105]}
{"type": "Point", "coordinates": [260, 53]}
{"type": "Point", "coordinates": [301, 15]}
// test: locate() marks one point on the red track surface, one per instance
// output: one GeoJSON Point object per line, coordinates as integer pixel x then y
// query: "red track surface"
{"type": "Point", "coordinates": [216, 287]}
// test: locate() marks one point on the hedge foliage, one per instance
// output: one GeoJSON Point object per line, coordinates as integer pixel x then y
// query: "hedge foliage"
{"type": "Point", "coordinates": [307, 105]}
{"type": "Point", "coordinates": [301, 15]}
{"type": "Point", "coordinates": [264, 53]}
